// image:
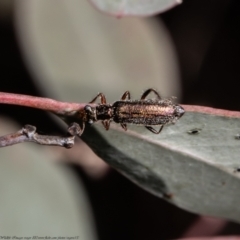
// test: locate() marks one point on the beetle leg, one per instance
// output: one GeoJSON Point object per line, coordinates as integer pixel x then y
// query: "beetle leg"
{"type": "Point", "coordinates": [126, 95]}
{"type": "Point", "coordinates": [124, 126]}
{"type": "Point", "coordinates": [153, 130]}
{"type": "Point", "coordinates": [102, 98]}
{"type": "Point", "coordinates": [106, 124]}
{"type": "Point", "coordinates": [75, 129]}
{"type": "Point", "coordinates": [147, 92]}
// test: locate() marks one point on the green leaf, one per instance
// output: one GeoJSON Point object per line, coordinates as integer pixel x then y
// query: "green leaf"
{"type": "Point", "coordinates": [122, 8]}
{"type": "Point", "coordinates": [193, 164]}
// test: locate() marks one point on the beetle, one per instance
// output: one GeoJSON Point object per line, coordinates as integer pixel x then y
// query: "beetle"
{"type": "Point", "coordinates": [145, 112]}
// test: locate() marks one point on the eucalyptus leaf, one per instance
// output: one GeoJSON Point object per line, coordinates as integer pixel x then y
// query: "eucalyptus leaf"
{"type": "Point", "coordinates": [192, 164]}
{"type": "Point", "coordinates": [39, 197]}
{"type": "Point", "coordinates": [74, 51]}
{"type": "Point", "coordinates": [132, 7]}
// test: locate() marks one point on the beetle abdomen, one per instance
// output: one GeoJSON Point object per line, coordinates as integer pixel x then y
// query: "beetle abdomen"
{"type": "Point", "coordinates": [147, 112]}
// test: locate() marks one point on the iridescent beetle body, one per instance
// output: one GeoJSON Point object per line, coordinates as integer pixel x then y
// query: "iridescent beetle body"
{"type": "Point", "coordinates": [146, 112]}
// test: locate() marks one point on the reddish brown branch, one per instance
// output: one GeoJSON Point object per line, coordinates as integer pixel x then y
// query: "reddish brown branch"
{"type": "Point", "coordinates": [212, 111]}
{"type": "Point", "coordinates": [47, 104]}
{"type": "Point", "coordinates": [66, 108]}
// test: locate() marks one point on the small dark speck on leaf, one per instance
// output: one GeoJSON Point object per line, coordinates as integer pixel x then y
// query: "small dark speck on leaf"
{"type": "Point", "coordinates": [237, 136]}
{"type": "Point", "coordinates": [168, 196]}
{"type": "Point", "coordinates": [237, 170]}
{"type": "Point", "coordinates": [194, 131]}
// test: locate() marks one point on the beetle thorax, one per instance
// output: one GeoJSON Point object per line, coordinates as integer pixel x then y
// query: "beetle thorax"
{"type": "Point", "coordinates": [104, 112]}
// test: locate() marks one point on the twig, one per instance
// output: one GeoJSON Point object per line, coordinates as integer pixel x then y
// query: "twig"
{"type": "Point", "coordinates": [28, 134]}
{"type": "Point", "coordinates": [47, 104]}
{"type": "Point", "coordinates": [69, 112]}
{"type": "Point", "coordinates": [210, 110]}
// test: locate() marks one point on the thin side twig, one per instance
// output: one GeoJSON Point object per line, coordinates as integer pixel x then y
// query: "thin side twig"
{"type": "Point", "coordinates": [28, 134]}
